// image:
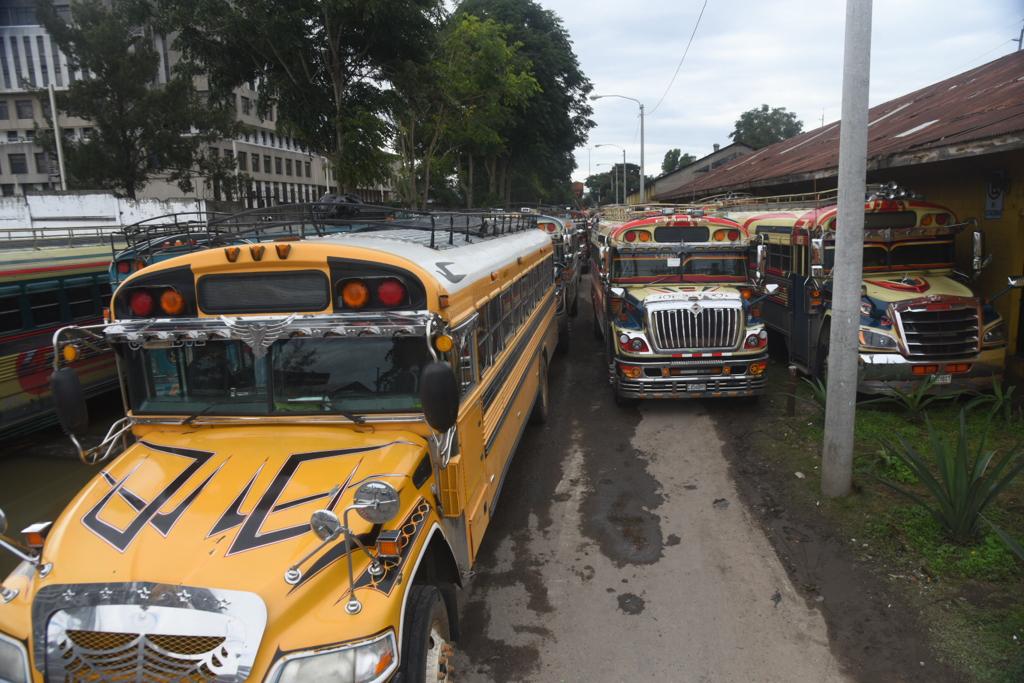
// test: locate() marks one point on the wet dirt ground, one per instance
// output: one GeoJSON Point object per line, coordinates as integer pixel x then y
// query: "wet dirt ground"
{"type": "Point", "coordinates": [628, 544]}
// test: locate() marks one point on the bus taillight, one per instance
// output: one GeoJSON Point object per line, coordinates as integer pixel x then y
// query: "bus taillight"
{"type": "Point", "coordinates": [391, 292]}
{"type": "Point", "coordinates": [141, 302]}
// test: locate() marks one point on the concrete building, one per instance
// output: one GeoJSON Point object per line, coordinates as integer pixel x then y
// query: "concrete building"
{"type": "Point", "coordinates": [958, 142]}
{"type": "Point", "coordinates": [282, 169]}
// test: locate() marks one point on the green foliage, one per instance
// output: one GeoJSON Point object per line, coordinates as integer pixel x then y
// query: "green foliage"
{"type": "Point", "coordinates": [326, 65]}
{"type": "Point", "coordinates": [999, 402]}
{"type": "Point", "coordinates": [965, 484]}
{"type": "Point", "coordinates": [674, 159]}
{"type": "Point", "coordinates": [915, 401]}
{"type": "Point", "coordinates": [141, 127]}
{"type": "Point", "coordinates": [762, 126]}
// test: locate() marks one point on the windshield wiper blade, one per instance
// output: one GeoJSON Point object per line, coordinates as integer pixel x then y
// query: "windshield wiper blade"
{"type": "Point", "coordinates": [358, 419]}
{"type": "Point", "coordinates": [191, 418]}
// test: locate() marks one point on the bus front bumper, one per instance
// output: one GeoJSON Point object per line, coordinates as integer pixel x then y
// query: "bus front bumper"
{"type": "Point", "coordinates": [879, 373]}
{"type": "Point", "coordinates": [703, 378]}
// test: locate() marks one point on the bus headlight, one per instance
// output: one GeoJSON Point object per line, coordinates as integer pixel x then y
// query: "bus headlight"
{"type": "Point", "coordinates": [13, 661]}
{"type": "Point", "coordinates": [995, 335]}
{"type": "Point", "coordinates": [876, 340]}
{"type": "Point", "coordinates": [366, 662]}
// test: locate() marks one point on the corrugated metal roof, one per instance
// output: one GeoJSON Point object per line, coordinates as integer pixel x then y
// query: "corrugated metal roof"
{"type": "Point", "coordinates": [943, 120]}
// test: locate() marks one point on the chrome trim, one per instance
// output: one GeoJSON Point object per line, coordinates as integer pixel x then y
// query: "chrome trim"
{"type": "Point", "coordinates": [877, 373]}
{"type": "Point", "coordinates": [278, 668]}
{"type": "Point", "coordinates": [24, 653]}
{"type": "Point", "coordinates": [695, 323]}
{"type": "Point", "coordinates": [916, 345]}
{"type": "Point", "coordinates": [147, 609]}
{"type": "Point", "coordinates": [281, 419]}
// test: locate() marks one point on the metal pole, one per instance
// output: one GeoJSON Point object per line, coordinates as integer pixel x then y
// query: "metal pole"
{"type": "Point", "coordinates": [57, 140]}
{"type": "Point", "coordinates": [840, 413]}
{"type": "Point", "coordinates": [643, 197]}
{"type": "Point", "coordinates": [625, 183]}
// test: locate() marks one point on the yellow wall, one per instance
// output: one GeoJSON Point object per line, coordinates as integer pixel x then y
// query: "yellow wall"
{"type": "Point", "coordinates": [962, 185]}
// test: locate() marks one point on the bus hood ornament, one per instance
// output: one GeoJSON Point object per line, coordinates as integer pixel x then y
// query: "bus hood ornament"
{"type": "Point", "coordinates": [258, 335]}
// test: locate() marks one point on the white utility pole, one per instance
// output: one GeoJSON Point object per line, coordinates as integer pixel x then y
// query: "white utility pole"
{"type": "Point", "coordinates": [58, 141]}
{"type": "Point", "coordinates": [643, 196]}
{"type": "Point", "coordinates": [840, 413]}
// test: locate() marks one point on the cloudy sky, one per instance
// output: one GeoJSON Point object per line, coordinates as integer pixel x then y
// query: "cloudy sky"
{"type": "Point", "coordinates": [785, 53]}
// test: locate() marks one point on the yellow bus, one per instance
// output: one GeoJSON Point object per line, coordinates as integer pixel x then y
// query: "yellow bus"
{"type": "Point", "coordinates": [319, 430]}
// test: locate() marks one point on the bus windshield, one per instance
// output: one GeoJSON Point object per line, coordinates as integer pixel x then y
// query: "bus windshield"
{"type": "Point", "coordinates": [304, 375]}
{"type": "Point", "coordinates": [900, 256]}
{"type": "Point", "coordinates": [703, 267]}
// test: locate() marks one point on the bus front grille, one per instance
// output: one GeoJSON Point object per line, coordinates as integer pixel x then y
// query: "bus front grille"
{"type": "Point", "coordinates": [933, 331]}
{"type": "Point", "coordinates": [696, 327]}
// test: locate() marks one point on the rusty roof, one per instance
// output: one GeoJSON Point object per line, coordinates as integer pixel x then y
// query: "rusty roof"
{"type": "Point", "coordinates": [976, 112]}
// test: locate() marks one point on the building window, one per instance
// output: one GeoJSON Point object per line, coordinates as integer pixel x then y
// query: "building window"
{"type": "Point", "coordinates": [266, 163]}
{"type": "Point", "coordinates": [18, 164]}
{"type": "Point", "coordinates": [277, 165]}
{"type": "Point", "coordinates": [246, 106]}
{"type": "Point", "coordinates": [287, 166]}
{"type": "Point", "coordinates": [12, 136]}
{"type": "Point", "coordinates": [255, 163]}
{"type": "Point", "coordinates": [243, 159]}
{"type": "Point", "coordinates": [214, 152]}
{"type": "Point", "coordinates": [263, 136]}
{"type": "Point", "coordinates": [4, 114]}
{"type": "Point", "coordinates": [7, 189]}
{"type": "Point", "coordinates": [273, 140]}
{"type": "Point", "coordinates": [42, 163]}
{"type": "Point", "coordinates": [24, 108]}
{"type": "Point", "coordinates": [309, 170]}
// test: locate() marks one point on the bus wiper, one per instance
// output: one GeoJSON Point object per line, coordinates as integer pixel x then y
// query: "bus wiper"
{"type": "Point", "coordinates": [191, 418]}
{"type": "Point", "coordinates": [358, 419]}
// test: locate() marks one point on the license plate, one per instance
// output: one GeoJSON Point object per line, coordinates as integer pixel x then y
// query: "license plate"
{"type": "Point", "coordinates": [696, 387]}
{"type": "Point", "coordinates": [943, 379]}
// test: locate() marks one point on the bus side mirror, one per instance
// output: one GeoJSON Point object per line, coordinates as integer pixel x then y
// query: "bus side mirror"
{"type": "Point", "coordinates": [439, 396]}
{"type": "Point", "coordinates": [817, 257]}
{"type": "Point", "coordinates": [978, 258]}
{"type": "Point", "coordinates": [762, 263]}
{"type": "Point", "coordinates": [69, 401]}
{"type": "Point", "coordinates": [1015, 281]}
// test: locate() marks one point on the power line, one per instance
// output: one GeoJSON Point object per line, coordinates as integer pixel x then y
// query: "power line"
{"type": "Point", "coordinates": [681, 59]}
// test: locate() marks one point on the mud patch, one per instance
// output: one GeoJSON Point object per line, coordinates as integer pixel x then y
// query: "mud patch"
{"type": "Point", "coordinates": [673, 539]}
{"type": "Point", "coordinates": [497, 660]}
{"type": "Point", "coordinates": [630, 603]}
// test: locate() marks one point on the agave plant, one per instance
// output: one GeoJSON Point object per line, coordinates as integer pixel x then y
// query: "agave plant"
{"type": "Point", "coordinates": [915, 401]}
{"type": "Point", "coordinates": [999, 402]}
{"type": "Point", "coordinates": [959, 482]}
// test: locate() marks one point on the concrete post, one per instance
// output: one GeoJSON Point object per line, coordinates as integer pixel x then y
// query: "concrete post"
{"type": "Point", "coordinates": [840, 413]}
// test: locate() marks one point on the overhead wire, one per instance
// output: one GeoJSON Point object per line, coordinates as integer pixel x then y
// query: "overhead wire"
{"type": "Point", "coordinates": [681, 59]}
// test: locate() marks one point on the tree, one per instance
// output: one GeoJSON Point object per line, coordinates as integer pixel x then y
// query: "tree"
{"type": "Point", "coordinates": [537, 160]}
{"type": "Point", "coordinates": [326, 65]}
{"type": "Point", "coordinates": [141, 128]}
{"type": "Point", "coordinates": [454, 105]}
{"type": "Point", "coordinates": [675, 159]}
{"type": "Point", "coordinates": [760, 127]}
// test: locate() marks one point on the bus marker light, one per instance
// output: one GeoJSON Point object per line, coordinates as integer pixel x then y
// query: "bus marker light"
{"type": "Point", "coordinates": [758, 368]}
{"type": "Point", "coordinates": [958, 367]}
{"type": "Point", "coordinates": [232, 253]}
{"type": "Point", "coordinates": [283, 250]}
{"type": "Point", "coordinates": [124, 267]}
{"type": "Point", "coordinates": [925, 369]}
{"type": "Point", "coordinates": [630, 236]}
{"type": "Point", "coordinates": [442, 301]}
{"type": "Point", "coordinates": [444, 343]}
{"type": "Point", "coordinates": [172, 302]}
{"type": "Point", "coordinates": [630, 371]}
{"type": "Point", "coordinates": [139, 264]}
{"type": "Point", "coordinates": [389, 544]}
{"type": "Point", "coordinates": [256, 251]}
{"type": "Point", "coordinates": [644, 236]}
{"type": "Point", "coordinates": [70, 353]}
{"type": "Point", "coordinates": [354, 294]}
{"type": "Point", "coordinates": [141, 303]}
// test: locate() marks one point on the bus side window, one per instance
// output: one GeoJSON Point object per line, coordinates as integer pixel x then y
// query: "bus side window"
{"type": "Point", "coordinates": [10, 314]}
{"type": "Point", "coordinates": [779, 259]}
{"type": "Point", "coordinates": [464, 354]}
{"type": "Point", "coordinates": [44, 300]}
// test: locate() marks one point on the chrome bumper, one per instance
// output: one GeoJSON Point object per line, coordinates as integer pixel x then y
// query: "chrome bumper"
{"type": "Point", "coordinates": [878, 373]}
{"type": "Point", "coordinates": [696, 380]}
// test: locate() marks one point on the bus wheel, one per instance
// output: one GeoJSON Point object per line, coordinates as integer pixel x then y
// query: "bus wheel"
{"type": "Point", "coordinates": [821, 362]}
{"type": "Point", "coordinates": [427, 651]}
{"type": "Point", "coordinates": [539, 414]}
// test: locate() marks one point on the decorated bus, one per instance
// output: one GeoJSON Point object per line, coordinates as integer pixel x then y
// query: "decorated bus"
{"type": "Point", "coordinates": [920, 320]}
{"type": "Point", "coordinates": [677, 307]}
{"type": "Point", "coordinates": [565, 242]}
{"type": "Point", "coordinates": [316, 437]}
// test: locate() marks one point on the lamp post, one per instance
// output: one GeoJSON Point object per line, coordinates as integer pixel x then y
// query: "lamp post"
{"type": "Point", "coordinates": [625, 184]}
{"type": "Point", "coordinates": [643, 196]}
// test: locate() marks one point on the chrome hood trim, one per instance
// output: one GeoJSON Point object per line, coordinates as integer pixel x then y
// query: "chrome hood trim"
{"type": "Point", "coordinates": [139, 619]}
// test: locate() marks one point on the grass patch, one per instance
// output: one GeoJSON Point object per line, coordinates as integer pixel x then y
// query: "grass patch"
{"type": "Point", "coordinates": [969, 597]}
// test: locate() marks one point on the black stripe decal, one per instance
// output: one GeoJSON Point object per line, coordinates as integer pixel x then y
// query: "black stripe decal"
{"type": "Point", "coordinates": [508, 409]}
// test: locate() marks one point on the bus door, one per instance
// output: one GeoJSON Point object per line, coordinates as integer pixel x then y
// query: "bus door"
{"type": "Point", "coordinates": [800, 323]}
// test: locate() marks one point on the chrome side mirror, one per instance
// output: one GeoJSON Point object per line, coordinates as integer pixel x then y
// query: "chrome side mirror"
{"type": "Point", "coordinates": [979, 261]}
{"type": "Point", "coordinates": [1015, 281]}
{"type": "Point", "coordinates": [817, 252]}
{"type": "Point", "coordinates": [325, 524]}
{"type": "Point", "coordinates": [3, 522]}
{"type": "Point", "coordinates": [377, 502]}
{"type": "Point", "coordinates": [762, 263]}
{"type": "Point", "coordinates": [771, 289]}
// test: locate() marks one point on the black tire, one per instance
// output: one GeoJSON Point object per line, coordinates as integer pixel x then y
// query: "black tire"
{"type": "Point", "coordinates": [821, 353]}
{"type": "Point", "coordinates": [426, 643]}
{"type": "Point", "coordinates": [541, 404]}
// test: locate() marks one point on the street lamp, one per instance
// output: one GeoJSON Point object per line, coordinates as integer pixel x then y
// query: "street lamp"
{"type": "Point", "coordinates": [643, 197]}
{"type": "Point", "coordinates": [624, 183]}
